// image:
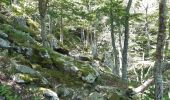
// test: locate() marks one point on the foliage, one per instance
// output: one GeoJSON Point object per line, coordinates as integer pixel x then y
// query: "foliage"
{"type": "Point", "coordinates": [8, 93]}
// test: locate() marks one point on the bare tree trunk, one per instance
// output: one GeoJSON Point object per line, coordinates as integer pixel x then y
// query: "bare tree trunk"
{"type": "Point", "coordinates": [147, 53]}
{"type": "Point", "coordinates": [120, 51]}
{"type": "Point", "coordinates": [159, 51]}
{"type": "Point", "coordinates": [50, 24]}
{"type": "Point", "coordinates": [115, 69]}
{"type": "Point", "coordinates": [126, 42]}
{"type": "Point", "coordinates": [61, 27]}
{"type": "Point", "coordinates": [87, 39]}
{"type": "Point", "coordinates": [94, 45]}
{"type": "Point", "coordinates": [82, 37]}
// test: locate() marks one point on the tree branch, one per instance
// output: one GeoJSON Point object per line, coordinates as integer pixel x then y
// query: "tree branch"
{"type": "Point", "coordinates": [150, 81]}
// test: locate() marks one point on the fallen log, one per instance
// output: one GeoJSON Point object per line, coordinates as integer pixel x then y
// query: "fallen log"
{"type": "Point", "coordinates": [150, 81]}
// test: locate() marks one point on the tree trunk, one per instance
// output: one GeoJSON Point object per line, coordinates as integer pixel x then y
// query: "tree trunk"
{"type": "Point", "coordinates": [159, 51]}
{"type": "Point", "coordinates": [43, 32]}
{"type": "Point", "coordinates": [147, 52]}
{"type": "Point", "coordinates": [94, 45]}
{"type": "Point", "coordinates": [115, 69]}
{"type": "Point", "coordinates": [82, 38]}
{"type": "Point", "coordinates": [126, 42]}
{"type": "Point", "coordinates": [61, 27]}
{"type": "Point", "coordinates": [120, 50]}
{"type": "Point", "coordinates": [87, 39]}
{"type": "Point", "coordinates": [50, 24]}
{"type": "Point", "coordinates": [42, 7]}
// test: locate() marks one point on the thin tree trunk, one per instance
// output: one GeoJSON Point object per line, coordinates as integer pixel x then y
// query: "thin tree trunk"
{"type": "Point", "coordinates": [158, 78]}
{"type": "Point", "coordinates": [50, 24]}
{"type": "Point", "coordinates": [147, 53]}
{"type": "Point", "coordinates": [120, 51]}
{"type": "Point", "coordinates": [82, 37]}
{"type": "Point", "coordinates": [61, 27]}
{"type": "Point", "coordinates": [126, 42]}
{"type": "Point", "coordinates": [87, 39]}
{"type": "Point", "coordinates": [115, 69]}
{"type": "Point", "coordinates": [94, 45]}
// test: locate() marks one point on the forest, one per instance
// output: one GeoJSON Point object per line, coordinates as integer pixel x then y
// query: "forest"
{"type": "Point", "coordinates": [84, 50]}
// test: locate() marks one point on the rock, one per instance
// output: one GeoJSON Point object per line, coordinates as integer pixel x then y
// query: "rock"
{"type": "Point", "coordinates": [44, 54]}
{"type": "Point", "coordinates": [4, 43]}
{"type": "Point", "coordinates": [80, 94]}
{"type": "Point", "coordinates": [51, 95]}
{"type": "Point", "coordinates": [17, 78]}
{"type": "Point", "coordinates": [95, 96]}
{"type": "Point", "coordinates": [3, 35]}
{"type": "Point", "coordinates": [70, 67]}
{"type": "Point", "coordinates": [2, 98]}
{"type": "Point", "coordinates": [63, 91]}
{"type": "Point", "coordinates": [28, 70]}
{"type": "Point", "coordinates": [53, 41]}
{"type": "Point", "coordinates": [20, 21]}
{"type": "Point", "coordinates": [90, 78]}
{"type": "Point", "coordinates": [25, 69]}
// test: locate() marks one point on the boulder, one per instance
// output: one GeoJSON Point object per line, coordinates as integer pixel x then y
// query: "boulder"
{"type": "Point", "coordinates": [4, 43]}
{"type": "Point", "coordinates": [25, 69]}
{"type": "Point", "coordinates": [95, 96]}
{"type": "Point", "coordinates": [50, 95]}
{"type": "Point", "coordinates": [90, 78]}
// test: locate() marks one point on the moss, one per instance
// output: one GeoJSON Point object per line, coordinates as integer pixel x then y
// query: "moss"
{"type": "Point", "coordinates": [32, 24]}
{"type": "Point", "coordinates": [117, 97]}
{"type": "Point", "coordinates": [4, 19]}
{"type": "Point", "coordinates": [84, 67]}
{"type": "Point", "coordinates": [29, 78]}
{"type": "Point", "coordinates": [18, 37]}
{"type": "Point", "coordinates": [111, 80]}
{"type": "Point", "coordinates": [32, 31]}
{"type": "Point", "coordinates": [61, 77]}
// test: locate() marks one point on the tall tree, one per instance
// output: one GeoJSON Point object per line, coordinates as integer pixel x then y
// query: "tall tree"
{"type": "Point", "coordinates": [126, 42]}
{"type": "Point", "coordinates": [42, 7]}
{"type": "Point", "coordinates": [159, 51]}
{"type": "Point", "coordinates": [115, 52]}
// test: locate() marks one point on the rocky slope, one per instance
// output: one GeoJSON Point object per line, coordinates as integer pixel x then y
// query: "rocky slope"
{"type": "Point", "coordinates": [31, 72]}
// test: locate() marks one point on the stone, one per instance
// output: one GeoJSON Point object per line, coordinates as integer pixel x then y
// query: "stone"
{"type": "Point", "coordinates": [95, 96]}
{"type": "Point", "coordinates": [50, 94]}
{"type": "Point", "coordinates": [53, 41]}
{"type": "Point", "coordinates": [20, 21]}
{"type": "Point", "coordinates": [25, 69]}
{"type": "Point", "coordinates": [4, 43]}
{"type": "Point", "coordinates": [17, 78]}
{"type": "Point", "coordinates": [3, 35]}
{"type": "Point", "coordinates": [90, 78]}
{"type": "Point", "coordinates": [2, 98]}
{"type": "Point", "coordinates": [44, 54]}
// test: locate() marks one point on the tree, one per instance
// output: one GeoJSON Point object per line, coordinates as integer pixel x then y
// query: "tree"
{"type": "Point", "coordinates": [126, 39]}
{"type": "Point", "coordinates": [159, 51]}
{"type": "Point", "coordinates": [115, 52]}
{"type": "Point", "coordinates": [42, 7]}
